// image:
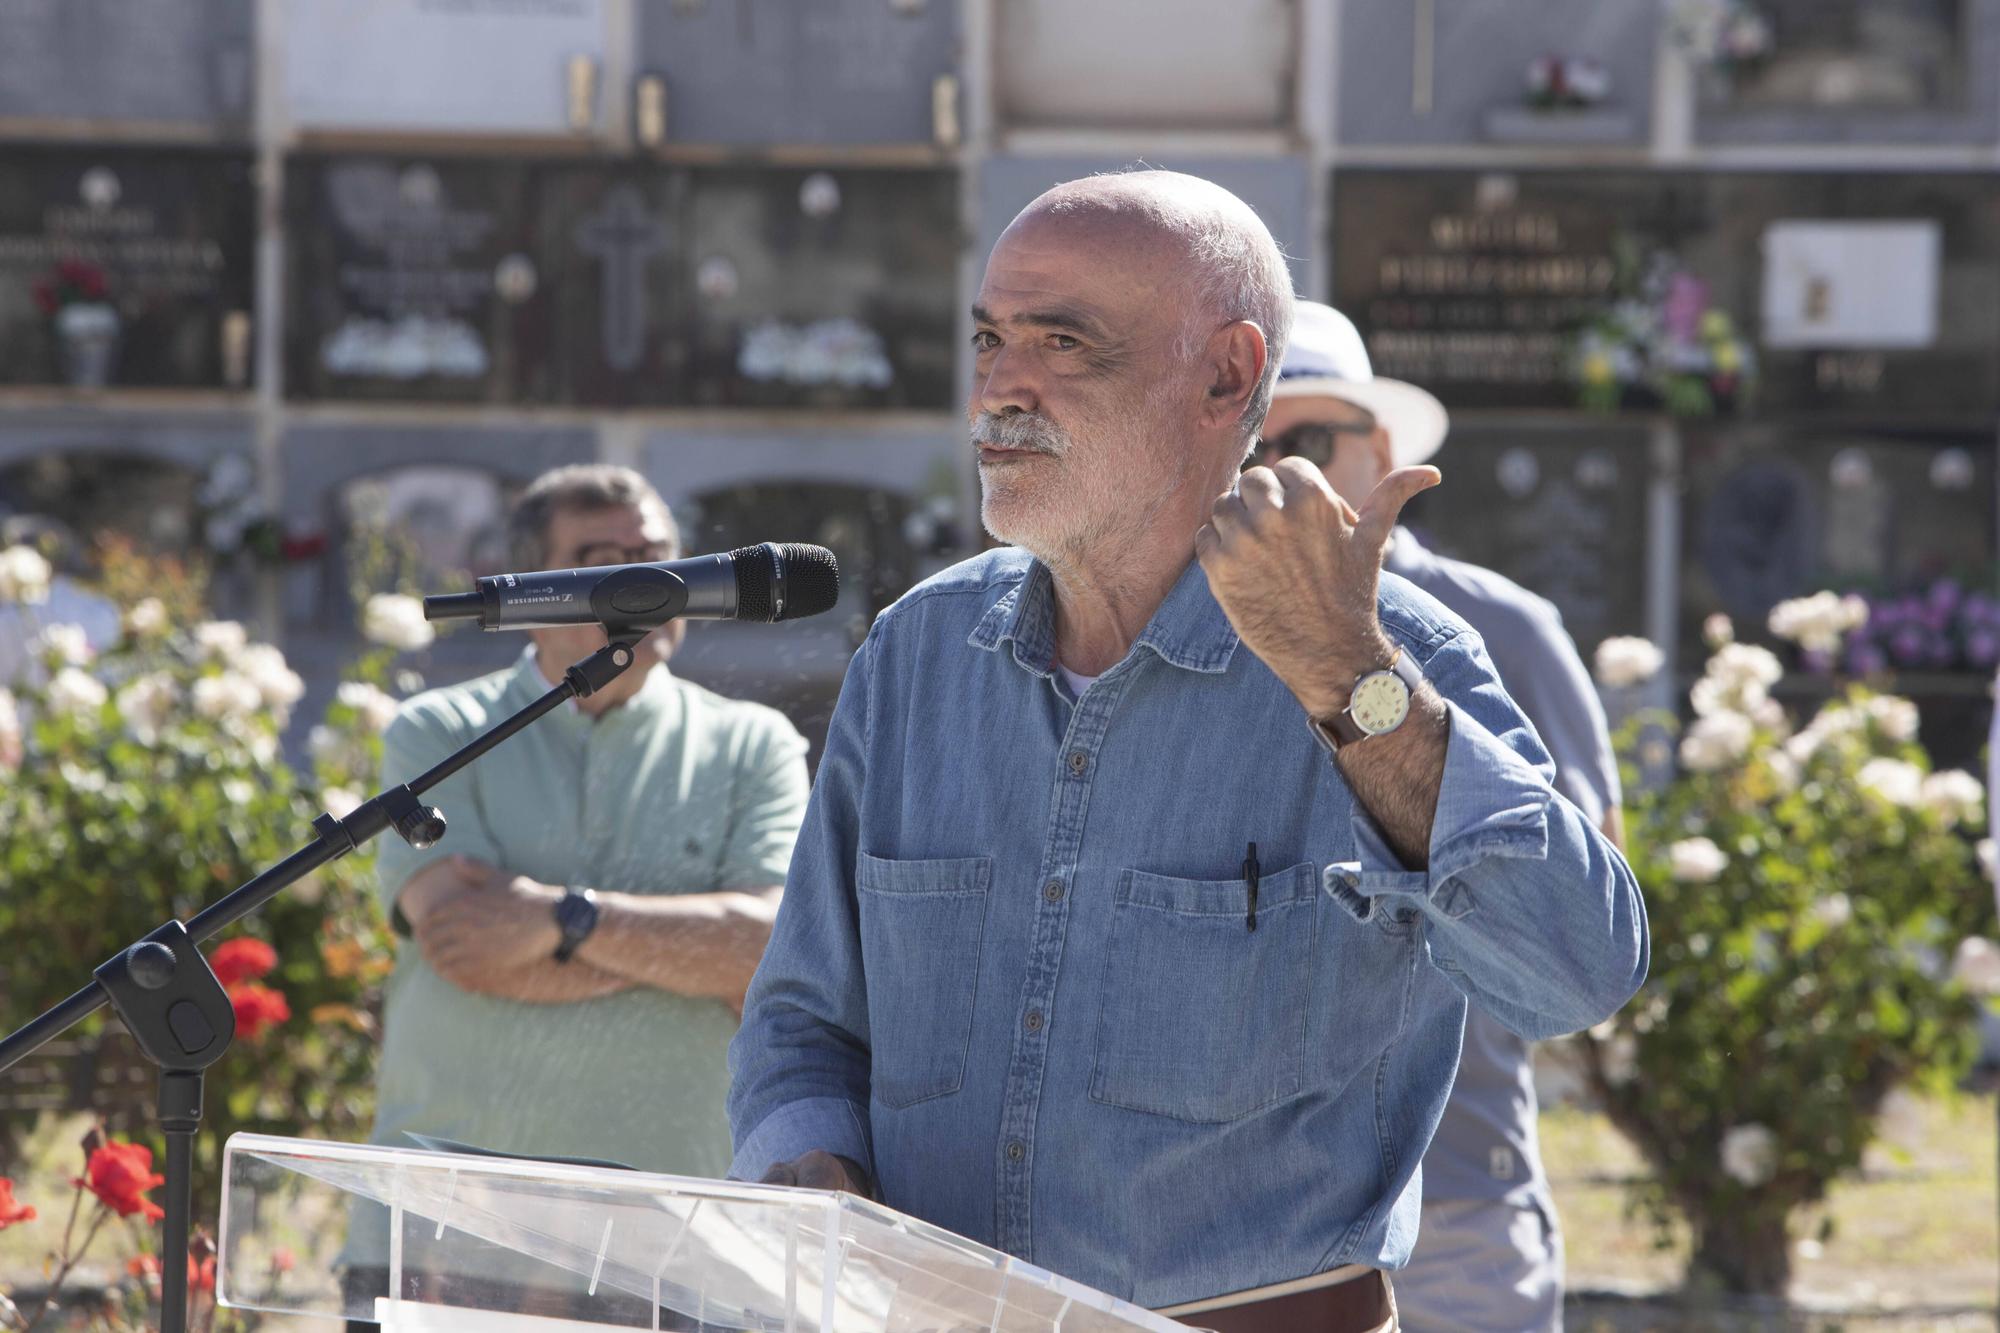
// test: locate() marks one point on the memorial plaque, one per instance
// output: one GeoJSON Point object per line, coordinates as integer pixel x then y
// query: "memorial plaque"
{"type": "Point", "coordinates": [826, 288]}
{"type": "Point", "coordinates": [1157, 64]}
{"type": "Point", "coordinates": [1779, 513]}
{"type": "Point", "coordinates": [410, 278]}
{"type": "Point", "coordinates": [499, 281]}
{"type": "Point", "coordinates": [123, 268]}
{"type": "Point", "coordinates": [1561, 511]}
{"type": "Point", "coordinates": [834, 71]}
{"type": "Point", "coordinates": [1453, 71]}
{"type": "Point", "coordinates": [1645, 290]}
{"type": "Point", "coordinates": [165, 61]}
{"type": "Point", "coordinates": [469, 66]}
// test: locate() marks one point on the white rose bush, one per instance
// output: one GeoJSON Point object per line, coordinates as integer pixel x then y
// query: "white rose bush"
{"type": "Point", "coordinates": [1821, 927]}
{"type": "Point", "coordinates": [147, 780]}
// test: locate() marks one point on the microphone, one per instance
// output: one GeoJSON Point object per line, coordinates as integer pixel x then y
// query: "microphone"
{"type": "Point", "coordinates": [761, 583]}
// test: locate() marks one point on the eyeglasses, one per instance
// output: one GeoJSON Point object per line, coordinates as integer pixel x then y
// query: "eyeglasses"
{"type": "Point", "coordinates": [611, 553]}
{"type": "Point", "coordinates": [1313, 440]}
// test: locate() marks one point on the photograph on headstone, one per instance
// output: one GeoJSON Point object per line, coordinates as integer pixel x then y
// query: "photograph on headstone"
{"type": "Point", "coordinates": [125, 268]}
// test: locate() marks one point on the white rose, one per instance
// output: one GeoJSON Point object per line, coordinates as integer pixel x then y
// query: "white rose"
{"type": "Point", "coordinates": [1976, 965]}
{"type": "Point", "coordinates": [24, 575]}
{"type": "Point", "coordinates": [147, 618]}
{"type": "Point", "coordinates": [1696, 860]}
{"type": "Point", "coordinates": [1955, 796]}
{"type": "Point", "coordinates": [1785, 772]}
{"type": "Point", "coordinates": [147, 704]}
{"type": "Point", "coordinates": [339, 802]}
{"type": "Point", "coordinates": [1816, 622]}
{"type": "Point", "coordinates": [74, 691]}
{"type": "Point", "coordinates": [376, 707]}
{"type": "Point", "coordinates": [1895, 781]}
{"type": "Point", "coordinates": [1989, 858]}
{"type": "Point", "coordinates": [1853, 611]}
{"type": "Point", "coordinates": [264, 667]}
{"type": "Point", "coordinates": [1716, 741]}
{"type": "Point", "coordinates": [1627, 660]}
{"type": "Point", "coordinates": [10, 718]}
{"type": "Point", "coordinates": [397, 621]}
{"type": "Point", "coordinates": [1895, 718]}
{"type": "Point", "coordinates": [228, 695]}
{"type": "Point", "coordinates": [238, 792]}
{"type": "Point", "coordinates": [1717, 630]}
{"type": "Point", "coordinates": [67, 644]}
{"type": "Point", "coordinates": [1832, 911]}
{"type": "Point", "coordinates": [220, 640]}
{"type": "Point", "coordinates": [1741, 663]}
{"type": "Point", "coordinates": [1750, 1154]}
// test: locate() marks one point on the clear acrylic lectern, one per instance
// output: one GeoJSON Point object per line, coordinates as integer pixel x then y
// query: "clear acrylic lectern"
{"type": "Point", "coordinates": [444, 1241]}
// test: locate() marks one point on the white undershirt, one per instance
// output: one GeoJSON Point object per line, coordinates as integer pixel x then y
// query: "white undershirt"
{"type": "Point", "coordinates": [1077, 684]}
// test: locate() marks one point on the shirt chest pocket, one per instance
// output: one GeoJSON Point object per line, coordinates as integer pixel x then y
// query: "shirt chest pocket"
{"type": "Point", "coordinates": [1200, 1017]}
{"type": "Point", "coordinates": [921, 925]}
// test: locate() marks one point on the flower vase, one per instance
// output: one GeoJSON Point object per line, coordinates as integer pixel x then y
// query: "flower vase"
{"type": "Point", "coordinates": [88, 334]}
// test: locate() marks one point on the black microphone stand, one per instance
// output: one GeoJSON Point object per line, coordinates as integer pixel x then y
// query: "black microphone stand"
{"type": "Point", "coordinates": [178, 1013]}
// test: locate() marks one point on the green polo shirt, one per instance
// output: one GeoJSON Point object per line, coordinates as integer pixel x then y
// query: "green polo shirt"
{"type": "Point", "coordinates": [676, 791]}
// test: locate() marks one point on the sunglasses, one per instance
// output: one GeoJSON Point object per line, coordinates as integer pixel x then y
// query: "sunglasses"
{"type": "Point", "coordinates": [611, 553]}
{"type": "Point", "coordinates": [1314, 440]}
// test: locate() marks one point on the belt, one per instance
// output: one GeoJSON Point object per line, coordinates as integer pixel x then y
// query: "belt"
{"type": "Point", "coordinates": [1353, 1299]}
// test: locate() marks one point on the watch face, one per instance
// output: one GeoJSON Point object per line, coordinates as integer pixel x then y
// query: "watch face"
{"type": "Point", "coordinates": [575, 914]}
{"type": "Point", "coordinates": [1381, 702]}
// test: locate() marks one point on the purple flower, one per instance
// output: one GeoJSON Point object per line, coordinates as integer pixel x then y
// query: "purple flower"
{"type": "Point", "coordinates": [1982, 648]}
{"type": "Point", "coordinates": [1944, 596]}
{"type": "Point", "coordinates": [1865, 659]}
{"type": "Point", "coordinates": [1687, 298]}
{"type": "Point", "coordinates": [1816, 661]}
{"type": "Point", "coordinates": [1907, 645]}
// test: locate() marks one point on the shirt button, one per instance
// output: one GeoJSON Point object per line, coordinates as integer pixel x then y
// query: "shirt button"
{"type": "Point", "coordinates": [1016, 1151]}
{"type": "Point", "coordinates": [1053, 891]}
{"type": "Point", "coordinates": [1034, 1020]}
{"type": "Point", "coordinates": [1078, 762]}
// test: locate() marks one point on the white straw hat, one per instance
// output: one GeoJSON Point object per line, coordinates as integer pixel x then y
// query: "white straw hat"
{"type": "Point", "coordinates": [1326, 359]}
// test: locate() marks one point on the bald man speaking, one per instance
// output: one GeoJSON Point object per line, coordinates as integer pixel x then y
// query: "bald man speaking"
{"type": "Point", "coordinates": [1152, 860]}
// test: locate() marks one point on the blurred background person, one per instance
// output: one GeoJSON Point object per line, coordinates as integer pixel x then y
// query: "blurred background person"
{"type": "Point", "coordinates": [1489, 1251]}
{"type": "Point", "coordinates": [574, 954]}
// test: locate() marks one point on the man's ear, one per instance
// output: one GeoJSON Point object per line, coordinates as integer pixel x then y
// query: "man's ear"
{"type": "Point", "coordinates": [1235, 361]}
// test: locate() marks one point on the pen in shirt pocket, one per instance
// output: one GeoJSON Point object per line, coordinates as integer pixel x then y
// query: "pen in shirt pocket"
{"type": "Point", "coordinates": [1250, 882]}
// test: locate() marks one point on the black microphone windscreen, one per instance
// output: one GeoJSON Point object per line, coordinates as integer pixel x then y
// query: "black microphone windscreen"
{"type": "Point", "coordinates": [811, 583]}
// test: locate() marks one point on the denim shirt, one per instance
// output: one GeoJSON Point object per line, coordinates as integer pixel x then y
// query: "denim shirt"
{"type": "Point", "coordinates": [1014, 975]}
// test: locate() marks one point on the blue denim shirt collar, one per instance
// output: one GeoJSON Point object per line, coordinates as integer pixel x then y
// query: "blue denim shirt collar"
{"type": "Point", "coordinates": [1189, 631]}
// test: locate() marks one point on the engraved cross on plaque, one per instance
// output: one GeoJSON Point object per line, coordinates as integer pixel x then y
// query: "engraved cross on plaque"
{"type": "Point", "coordinates": [624, 237]}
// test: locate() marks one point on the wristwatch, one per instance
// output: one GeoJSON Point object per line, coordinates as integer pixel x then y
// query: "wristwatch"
{"type": "Point", "coordinates": [1376, 706]}
{"type": "Point", "coordinates": [576, 917]}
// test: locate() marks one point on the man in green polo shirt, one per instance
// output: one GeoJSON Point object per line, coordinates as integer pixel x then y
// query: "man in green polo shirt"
{"type": "Point", "coordinates": [664, 813]}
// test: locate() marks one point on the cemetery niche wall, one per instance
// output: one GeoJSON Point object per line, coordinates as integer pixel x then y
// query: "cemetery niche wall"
{"type": "Point", "coordinates": [484, 280]}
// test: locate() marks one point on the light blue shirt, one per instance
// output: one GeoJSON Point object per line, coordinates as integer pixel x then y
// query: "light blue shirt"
{"type": "Point", "coordinates": [1014, 978]}
{"type": "Point", "coordinates": [1487, 1145]}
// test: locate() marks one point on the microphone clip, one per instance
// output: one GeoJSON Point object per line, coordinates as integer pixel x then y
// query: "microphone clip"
{"type": "Point", "coordinates": [608, 663]}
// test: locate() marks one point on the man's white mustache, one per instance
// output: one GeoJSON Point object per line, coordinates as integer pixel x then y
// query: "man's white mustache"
{"type": "Point", "coordinates": [1019, 431]}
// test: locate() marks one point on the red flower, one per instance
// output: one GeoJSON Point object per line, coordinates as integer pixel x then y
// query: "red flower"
{"type": "Point", "coordinates": [45, 297]}
{"type": "Point", "coordinates": [143, 1265]}
{"type": "Point", "coordinates": [120, 1174]}
{"type": "Point", "coordinates": [283, 1260]}
{"type": "Point", "coordinates": [257, 1008]}
{"type": "Point", "coordinates": [244, 958]}
{"type": "Point", "coordinates": [201, 1274]}
{"type": "Point", "coordinates": [10, 1211]}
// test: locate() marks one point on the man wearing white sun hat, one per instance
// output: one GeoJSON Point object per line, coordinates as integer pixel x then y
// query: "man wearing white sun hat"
{"type": "Point", "coordinates": [1488, 1253]}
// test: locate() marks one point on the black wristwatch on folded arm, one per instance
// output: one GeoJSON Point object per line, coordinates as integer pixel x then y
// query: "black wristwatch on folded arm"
{"type": "Point", "coordinates": [576, 917]}
{"type": "Point", "coordinates": [1378, 704]}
